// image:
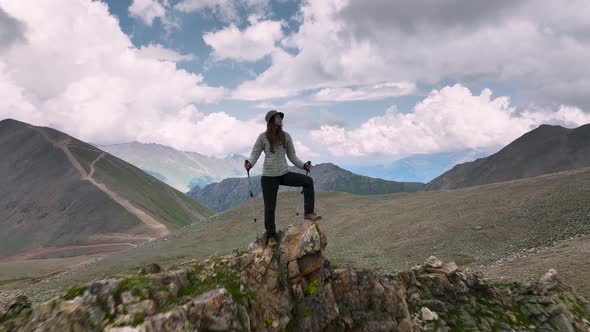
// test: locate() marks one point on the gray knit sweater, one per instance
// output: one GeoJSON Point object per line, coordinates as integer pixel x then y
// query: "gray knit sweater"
{"type": "Point", "coordinates": [275, 163]}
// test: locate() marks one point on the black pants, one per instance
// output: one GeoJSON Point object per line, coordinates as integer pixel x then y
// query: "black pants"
{"type": "Point", "coordinates": [270, 187]}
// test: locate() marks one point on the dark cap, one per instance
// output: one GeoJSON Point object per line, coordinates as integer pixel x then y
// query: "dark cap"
{"type": "Point", "coordinates": [271, 113]}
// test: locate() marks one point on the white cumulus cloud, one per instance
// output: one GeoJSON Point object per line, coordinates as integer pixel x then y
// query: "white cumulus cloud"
{"type": "Point", "coordinates": [448, 119]}
{"type": "Point", "coordinates": [100, 88]}
{"type": "Point", "coordinates": [342, 43]}
{"type": "Point", "coordinates": [225, 10]}
{"type": "Point", "coordinates": [250, 44]}
{"type": "Point", "coordinates": [370, 92]}
{"type": "Point", "coordinates": [147, 10]}
{"type": "Point", "coordinates": [159, 52]}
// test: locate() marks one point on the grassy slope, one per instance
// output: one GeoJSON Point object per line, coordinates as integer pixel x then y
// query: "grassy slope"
{"type": "Point", "coordinates": [163, 202]}
{"type": "Point", "coordinates": [394, 231]}
{"type": "Point", "coordinates": [544, 150]}
{"type": "Point", "coordinates": [21, 270]}
{"type": "Point", "coordinates": [43, 201]}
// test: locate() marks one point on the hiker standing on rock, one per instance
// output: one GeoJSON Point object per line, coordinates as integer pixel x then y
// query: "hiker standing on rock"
{"type": "Point", "coordinates": [276, 143]}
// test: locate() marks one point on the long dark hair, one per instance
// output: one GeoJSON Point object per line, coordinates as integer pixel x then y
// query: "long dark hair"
{"type": "Point", "coordinates": [275, 135]}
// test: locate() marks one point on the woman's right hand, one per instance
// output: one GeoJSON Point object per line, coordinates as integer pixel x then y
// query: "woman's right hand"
{"type": "Point", "coordinates": [247, 165]}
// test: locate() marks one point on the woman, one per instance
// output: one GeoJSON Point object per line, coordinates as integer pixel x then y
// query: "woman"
{"type": "Point", "coordinates": [276, 143]}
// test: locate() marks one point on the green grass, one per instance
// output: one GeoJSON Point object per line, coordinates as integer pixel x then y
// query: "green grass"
{"type": "Point", "coordinates": [134, 284]}
{"type": "Point", "coordinates": [488, 308]}
{"type": "Point", "coordinates": [220, 277]}
{"type": "Point", "coordinates": [275, 252]}
{"type": "Point", "coordinates": [163, 202]}
{"type": "Point", "coordinates": [138, 319]}
{"type": "Point", "coordinates": [573, 305]}
{"type": "Point", "coordinates": [73, 292]}
{"type": "Point", "coordinates": [85, 154]}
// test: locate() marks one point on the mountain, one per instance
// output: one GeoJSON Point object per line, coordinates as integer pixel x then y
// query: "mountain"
{"type": "Point", "coordinates": [417, 168]}
{"type": "Point", "coordinates": [327, 177]}
{"type": "Point", "coordinates": [544, 150]}
{"type": "Point", "coordinates": [60, 196]}
{"type": "Point", "coordinates": [179, 169]}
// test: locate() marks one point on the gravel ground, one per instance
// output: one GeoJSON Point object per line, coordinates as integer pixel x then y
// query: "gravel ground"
{"type": "Point", "coordinates": [511, 226]}
{"type": "Point", "coordinates": [570, 258]}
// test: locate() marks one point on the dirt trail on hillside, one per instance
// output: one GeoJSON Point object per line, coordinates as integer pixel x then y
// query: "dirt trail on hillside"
{"type": "Point", "coordinates": [119, 238]}
{"type": "Point", "coordinates": [148, 220]}
{"type": "Point", "coordinates": [91, 173]}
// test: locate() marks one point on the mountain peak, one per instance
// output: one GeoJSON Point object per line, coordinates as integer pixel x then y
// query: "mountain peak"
{"type": "Point", "coordinates": [8, 120]}
{"type": "Point", "coordinates": [546, 125]}
{"type": "Point", "coordinates": [549, 128]}
{"type": "Point", "coordinates": [543, 150]}
{"type": "Point", "coordinates": [329, 166]}
{"type": "Point", "coordinates": [12, 123]}
{"type": "Point", "coordinates": [235, 156]}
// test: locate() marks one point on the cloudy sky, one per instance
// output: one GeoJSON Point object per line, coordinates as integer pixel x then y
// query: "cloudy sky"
{"type": "Point", "coordinates": [364, 81]}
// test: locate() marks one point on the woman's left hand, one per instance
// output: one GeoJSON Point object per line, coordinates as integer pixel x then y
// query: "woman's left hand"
{"type": "Point", "coordinates": [307, 166]}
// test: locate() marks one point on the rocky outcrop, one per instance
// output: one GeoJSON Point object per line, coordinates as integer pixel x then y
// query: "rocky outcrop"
{"type": "Point", "coordinates": [293, 287]}
{"type": "Point", "coordinates": [442, 298]}
{"type": "Point", "coordinates": [296, 288]}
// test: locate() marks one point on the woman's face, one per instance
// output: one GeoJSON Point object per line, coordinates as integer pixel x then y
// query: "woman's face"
{"type": "Point", "coordinates": [278, 121]}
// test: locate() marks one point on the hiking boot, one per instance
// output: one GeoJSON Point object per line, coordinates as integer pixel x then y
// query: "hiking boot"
{"type": "Point", "coordinates": [312, 216]}
{"type": "Point", "coordinates": [270, 238]}
{"type": "Point", "coordinates": [272, 242]}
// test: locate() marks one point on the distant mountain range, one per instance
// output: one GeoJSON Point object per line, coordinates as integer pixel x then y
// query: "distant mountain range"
{"type": "Point", "coordinates": [417, 168]}
{"type": "Point", "coordinates": [544, 150]}
{"type": "Point", "coordinates": [60, 196]}
{"type": "Point", "coordinates": [327, 177]}
{"type": "Point", "coordinates": [179, 169]}
{"type": "Point", "coordinates": [184, 170]}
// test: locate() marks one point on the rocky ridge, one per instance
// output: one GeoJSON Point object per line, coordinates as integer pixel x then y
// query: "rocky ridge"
{"type": "Point", "coordinates": [292, 286]}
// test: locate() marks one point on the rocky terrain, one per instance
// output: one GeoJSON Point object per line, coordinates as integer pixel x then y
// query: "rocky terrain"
{"type": "Point", "coordinates": [293, 286]}
{"type": "Point", "coordinates": [475, 227]}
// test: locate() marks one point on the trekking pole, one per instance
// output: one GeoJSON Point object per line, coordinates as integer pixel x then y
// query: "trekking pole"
{"type": "Point", "coordinates": [301, 196]}
{"type": "Point", "coordinates": [251, 193]}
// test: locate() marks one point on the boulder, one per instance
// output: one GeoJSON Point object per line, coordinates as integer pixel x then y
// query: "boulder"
{"type": "Point", "coordinates": [214, 311]}
{"type": "Point", "coordinates": [300, 240]}
{"type": "Point", "coordinates": [171, 321]}
{"type": "Point", "coordinates": [149, 269]}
